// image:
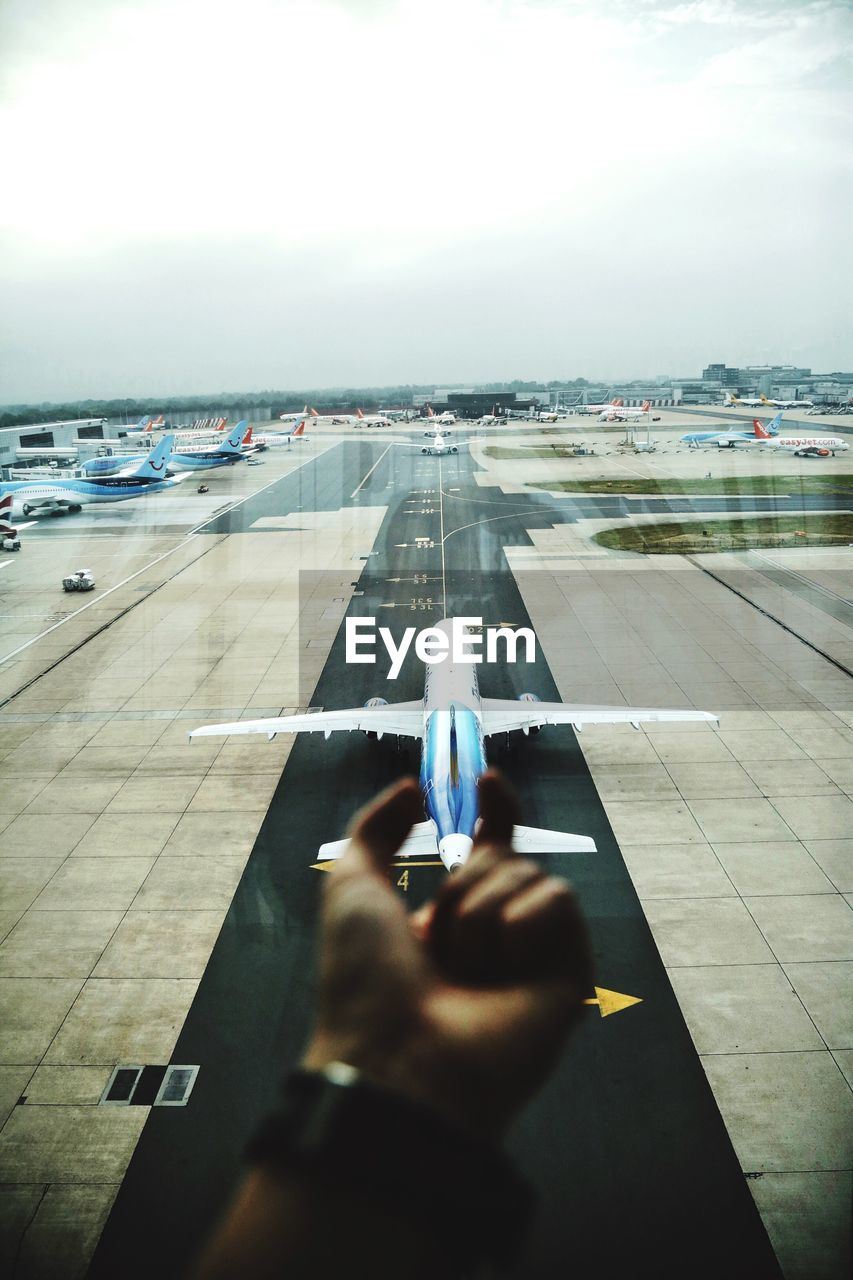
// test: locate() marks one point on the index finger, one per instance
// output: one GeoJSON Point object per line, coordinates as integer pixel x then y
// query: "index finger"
{"type": "Point", "coordinates": [378, 830]}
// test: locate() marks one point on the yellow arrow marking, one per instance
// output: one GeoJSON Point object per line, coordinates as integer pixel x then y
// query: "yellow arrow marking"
{"type": "Point", "coordinates": [612, 1001]}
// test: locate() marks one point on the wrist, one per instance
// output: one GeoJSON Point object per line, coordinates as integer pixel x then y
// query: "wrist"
{"type": "Point", "coordinates": [420, 1076]}
{"type": "Point", "coordinates": [339, 1130]}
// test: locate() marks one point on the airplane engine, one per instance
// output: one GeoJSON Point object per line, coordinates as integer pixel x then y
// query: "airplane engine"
{"type": "Point", "coordinates": [374, 702]}
{"type": "Point", "coordinates": [530, 697]}
{"type": "Point", "coordinates": [425, 449]}
{"type": "Point", "coordinates": [453, 449]}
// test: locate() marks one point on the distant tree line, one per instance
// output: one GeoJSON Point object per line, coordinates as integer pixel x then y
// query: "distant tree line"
{"type": "Point", "coordinates": [20, 415]}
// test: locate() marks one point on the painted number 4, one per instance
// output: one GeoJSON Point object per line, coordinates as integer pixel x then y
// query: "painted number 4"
{"type": "Point", "coordinates": [403, 882]}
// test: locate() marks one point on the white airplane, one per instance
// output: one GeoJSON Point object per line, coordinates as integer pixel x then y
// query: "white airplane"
{"type": "Point", "coordinates": [618, 413]}
{"type": "Point", "coordinates": [447, 418]}
{"type": "Point", "coordinates": [748, 402]}
{"type": "Point", "coordinates": [451, 721]}
{"type": "Point", "coordinates": [371, 419]}
{"type": "Point", "coordinates": [272, 439]}
{"type": "Point", "coordinates": [787, 404]}
{"type": "Point", "coordinates": [294, 417]}
{"type": "Point", "coordinates": [72, 492]}
{"type": "Point", "coordinates": [800, 446]}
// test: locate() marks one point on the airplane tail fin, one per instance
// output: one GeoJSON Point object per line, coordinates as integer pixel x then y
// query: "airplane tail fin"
{"type": "Point", "coordinates": [313, 412]}
{"type": "Point", "coordinates": [6, 528]}
{"type": "Point", "coordinates": [775, 423]}
{"type": "Point", "coordinates": [154, 466]}
{"type": "Point", "coordinates": [430, 413]}
{"type": "Point", "coordinates": [298, 429]}
{"type": "Point", "coordinates": [234, 440]}
{"type": "Point", "coordinates": [763, 398]}
{"type": "Point", "coordinates": [647, 404]}
{"type": "Point", "coordinates": [760, 433]}
{"type": "Point", "coordinates": [359, 414]}
{"type": "Point", "coordinates": [247, 438]}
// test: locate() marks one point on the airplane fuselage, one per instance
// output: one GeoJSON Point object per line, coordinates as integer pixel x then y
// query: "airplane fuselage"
{"type": "Point", "coordinates": [77, 493]}
{"type": "Point", "coordinates": [453, 756]}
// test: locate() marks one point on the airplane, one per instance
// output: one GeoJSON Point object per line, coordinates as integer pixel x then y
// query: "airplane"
{"type": "Point", "coordinates": [618, 413]}
{"type": "Point", "coordinates": [597, 408]}
{"type": "Point", "coordinates": [294, 417]}
{"type": "Point", "coordinates": [223, 454]}
{"type": "Point", "coordinates": [439, 444]}
{"type": "Point", "coordinates": [72, 492]}
{"type": "Point", "coordinates": [800, 446]}
{"type": "Point", "coordinates": [447, 418]}
{"type": "Point", "coordinates": [9, 540]}
{"type": "Point", "coordinates": [749, 402]}
{"type": "Point", "coordinates": [370, 419]}
{"type": "Point", "coordinates": [451, 721]}
{"type": "Point", "coordinates": [729, 438]}
{"type": "Point", "coordinates": [787, 404]}
{"type": "Point", "coordinates": [273, 439]}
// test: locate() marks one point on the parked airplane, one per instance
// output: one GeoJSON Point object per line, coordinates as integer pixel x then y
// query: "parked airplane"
{"type": "Point", "coordinates": [618, 413]}
{"type": "Point", "coordinates": [447, 418]}
{"type": "Point", "coordinates": [273, 439]}
{"type": "Point", "coordinates": [205, 456]}
{"type": "Point", "coordinates": [730, 438]}
{"type": "Point", "coordinates": [371, 419]}
{"type": "Point", "coordinates": [800, 446]}
{"type": "Point", "coordinates": [749, 402]}
{"type": "Point", "coordinates": [71, 493]}
{"type": "Point", "coordinates": [597, 408]}
{"type": "Point", "coordinates": [787, 404]}
{"type": "Point", "coordinates": [451, 721]}
{"type": "Point", "coordinates": [294, 417]}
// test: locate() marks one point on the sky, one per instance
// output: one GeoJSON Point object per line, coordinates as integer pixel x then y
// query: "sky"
{"type": "Point", "coordinates": [203, 196]}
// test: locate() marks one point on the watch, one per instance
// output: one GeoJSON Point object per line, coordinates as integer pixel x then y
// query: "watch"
{"type": "Point", "coordinates": [353, 1133]}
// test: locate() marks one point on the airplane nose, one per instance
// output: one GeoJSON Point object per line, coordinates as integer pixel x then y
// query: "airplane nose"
{"type": "Point", "coordinates": [455, 850]}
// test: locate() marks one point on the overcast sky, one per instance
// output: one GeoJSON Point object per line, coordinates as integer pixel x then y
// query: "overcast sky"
{"type": "Point", "coordinates": [203, 195]}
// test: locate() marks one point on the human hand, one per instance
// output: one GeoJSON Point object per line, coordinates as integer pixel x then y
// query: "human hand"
{"type": "Point", "coordinates": [464, 1006]}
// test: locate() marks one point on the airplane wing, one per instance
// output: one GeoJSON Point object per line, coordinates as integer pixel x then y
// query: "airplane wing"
{"type": "Point", "coordinates": [403, 718]}
{"type": "Point", "coordinates": [502, 715]}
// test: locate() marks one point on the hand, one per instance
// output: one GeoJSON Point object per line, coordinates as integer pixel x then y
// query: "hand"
{"type": "Point", "coordinates": [466, 1005]}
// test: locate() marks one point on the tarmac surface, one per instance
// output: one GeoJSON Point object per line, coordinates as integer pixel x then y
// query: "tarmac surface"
{"type": "Point", "coordinates": [626, 1146]}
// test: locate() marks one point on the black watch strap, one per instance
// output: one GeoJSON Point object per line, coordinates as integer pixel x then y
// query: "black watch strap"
{"type": "Point", "coordinates": [354, 1134]}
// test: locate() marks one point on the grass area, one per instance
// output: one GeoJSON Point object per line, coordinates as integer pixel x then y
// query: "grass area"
{"type": "Point", "coordinates": [675, 537]}
{"type": "Point", "coordinates": [748, 486]}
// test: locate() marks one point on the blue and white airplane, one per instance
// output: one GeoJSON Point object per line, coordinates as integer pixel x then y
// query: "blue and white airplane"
{"type": "Point", "coordinates": [213, 455]}
{"type": "Point", "coordinates": [729, 439]}
{"type": "Point", "coordinates": [451, 721]}
{"type": "Point", "coordinates": [60, 493]}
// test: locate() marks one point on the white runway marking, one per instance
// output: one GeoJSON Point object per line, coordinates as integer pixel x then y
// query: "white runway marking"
{"type": "Point", "coordinates": [371, 471]}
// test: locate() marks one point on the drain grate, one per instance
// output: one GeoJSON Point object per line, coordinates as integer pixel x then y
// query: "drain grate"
{"type": "Point", "coordinates": [149, 1086]}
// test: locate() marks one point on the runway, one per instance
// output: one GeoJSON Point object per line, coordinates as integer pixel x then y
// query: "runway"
{"type": "Point", "coordinates": [626, 1147]}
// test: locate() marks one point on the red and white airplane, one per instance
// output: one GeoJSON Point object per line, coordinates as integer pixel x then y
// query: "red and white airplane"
{"type": "Point", "coordinates": [618, 413]}
{"type": "Point", "coordinates": [800, 446]}
{"type": "Point", "coordinates": [597, 408]}
{"type": "Point", "coordinates": [272, 439]}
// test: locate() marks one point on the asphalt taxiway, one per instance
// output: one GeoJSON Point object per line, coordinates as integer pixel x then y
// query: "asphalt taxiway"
{"type": "Point", "coordinates": [626, 1146]}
